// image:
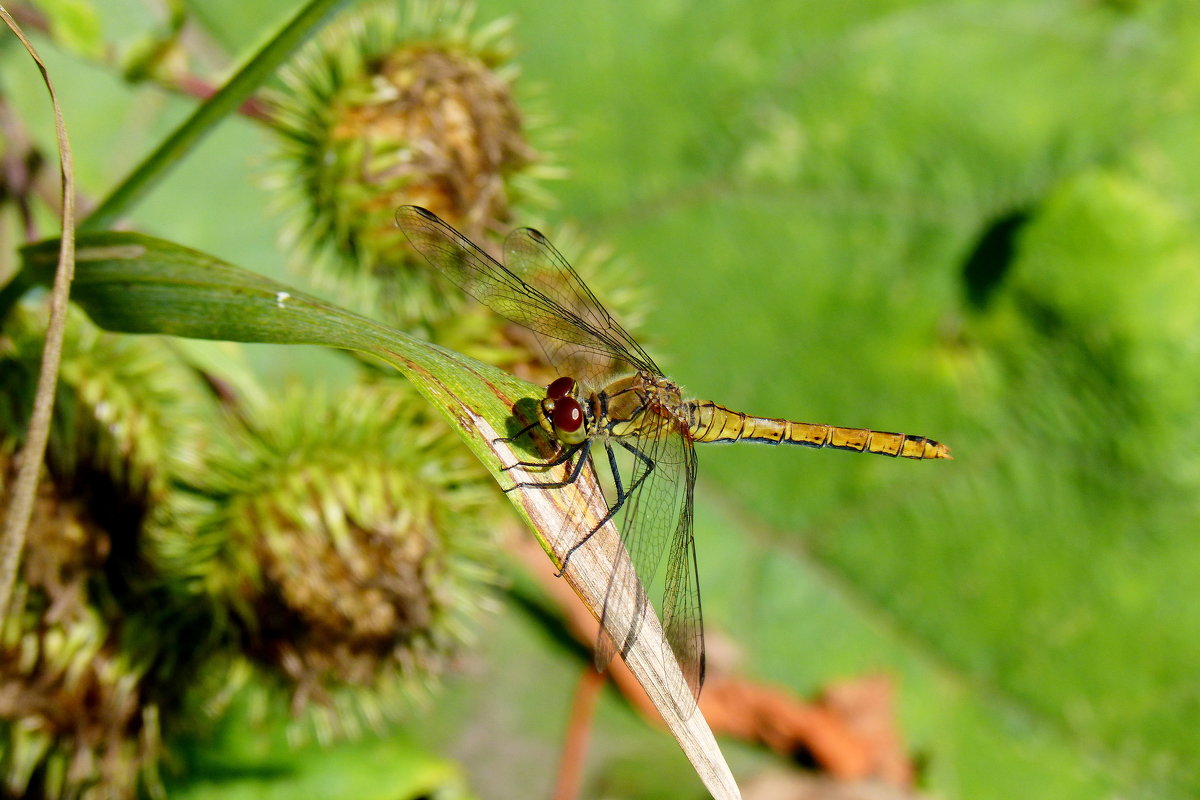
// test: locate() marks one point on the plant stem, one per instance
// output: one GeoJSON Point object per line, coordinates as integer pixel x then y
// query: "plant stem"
{"type": "Point", "coordinates": [225, 101]}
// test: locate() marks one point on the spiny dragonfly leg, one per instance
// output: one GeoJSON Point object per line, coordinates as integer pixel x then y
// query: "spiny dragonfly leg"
{"type": "Point", "coordinates": [518, 434]}
{"type": "Point", "coordinates": [585, 446]}
{"type": "Point", "coordinates": [562, 457]}
{"type": "Point", "coordinates": [622, 495]}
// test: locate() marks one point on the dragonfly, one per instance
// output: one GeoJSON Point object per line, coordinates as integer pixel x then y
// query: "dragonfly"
{"type": "Point", "coordinates": [610, 399]}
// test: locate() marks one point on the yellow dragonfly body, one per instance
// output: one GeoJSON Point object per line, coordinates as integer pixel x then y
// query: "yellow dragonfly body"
{"type": "Point", "coordinates": [615, 397]}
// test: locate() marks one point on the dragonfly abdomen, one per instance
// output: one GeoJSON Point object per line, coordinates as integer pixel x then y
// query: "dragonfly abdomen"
{"type": "Point", "coordinates": [709, 422]}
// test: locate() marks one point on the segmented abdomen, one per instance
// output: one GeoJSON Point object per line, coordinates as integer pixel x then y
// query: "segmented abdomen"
{"type": "Point", "coordinates": [709, 422]}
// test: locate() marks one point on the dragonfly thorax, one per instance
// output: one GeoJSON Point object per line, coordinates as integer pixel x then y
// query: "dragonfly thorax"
{"type": "Point", "coordinates": [640, 404]}
{"type": "Point", "coordinates": [643, 404]}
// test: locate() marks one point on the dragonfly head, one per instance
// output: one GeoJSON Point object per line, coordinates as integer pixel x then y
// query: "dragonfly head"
{"type": "Point", "coordinates": [562, 413]}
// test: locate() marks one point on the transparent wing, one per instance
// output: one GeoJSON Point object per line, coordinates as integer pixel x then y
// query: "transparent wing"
{"type": "Point", "coordinates": [537, 289]}
{"type": "Point", "coordinates": [531, 257]}
{"type": "Point", "coordinates": [657, 513]}
{"type": "Point", "coordinates": [683, 620]}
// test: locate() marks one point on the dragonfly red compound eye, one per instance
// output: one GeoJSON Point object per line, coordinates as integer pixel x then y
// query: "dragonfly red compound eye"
{"type": "Point", "coordinates": [568, 414]}
{"type": "Point", "coordinates": [561, 387]}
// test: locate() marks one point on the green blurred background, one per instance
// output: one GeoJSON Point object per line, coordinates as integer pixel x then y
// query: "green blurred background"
{"type": "Point", "coordinates": [972, 221]}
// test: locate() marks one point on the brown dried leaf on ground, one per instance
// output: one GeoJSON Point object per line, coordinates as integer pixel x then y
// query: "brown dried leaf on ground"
{"type": "Point", "coordinates": [848, 732]}
{"type": "Point", "coordinates": [780, 784]}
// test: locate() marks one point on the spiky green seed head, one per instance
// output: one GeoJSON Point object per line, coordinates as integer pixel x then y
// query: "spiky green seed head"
{"type": "Point", "coordinates": [126, 412]}
{"type": "Point", "coordinates": [399, 102]}
{"type": "Point", "coordinates": [75, 720]}
{"type": "Point", "coordinates": [354, 535]}
{"type": "Point", "coordinates": [79, 695]}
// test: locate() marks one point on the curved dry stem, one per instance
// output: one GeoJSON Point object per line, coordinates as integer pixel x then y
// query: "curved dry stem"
{"type": "Point", "coordinates": [20, 501]}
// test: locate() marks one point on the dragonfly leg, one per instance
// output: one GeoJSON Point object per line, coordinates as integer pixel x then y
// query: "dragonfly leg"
{"type": "Point", "coordinates": [518, 434]}
{"type": "Point", "coordinates": [622, 495]}
{"type": "Point", "coordinates": [585, 446]}
{"type": "Point", "coordinates": [563, 456]}
{"type": "Point", "coordinates": [616, 473]}
{"type": "Point", "coordinates": [645, 459]}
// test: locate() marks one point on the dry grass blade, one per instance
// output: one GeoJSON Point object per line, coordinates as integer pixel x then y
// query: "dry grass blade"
{"type": "Point", "coordinates": [649, 657]}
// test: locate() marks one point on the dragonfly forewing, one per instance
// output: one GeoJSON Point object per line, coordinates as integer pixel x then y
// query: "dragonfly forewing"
{"type": "Point", "coordinates": [536, 289]}
{"type": "Point", "coordinates": [531, 257]}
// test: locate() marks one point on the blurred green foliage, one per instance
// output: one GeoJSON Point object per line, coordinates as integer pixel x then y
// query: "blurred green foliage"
{"type": "Point", "coordinates": [973, 221]}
